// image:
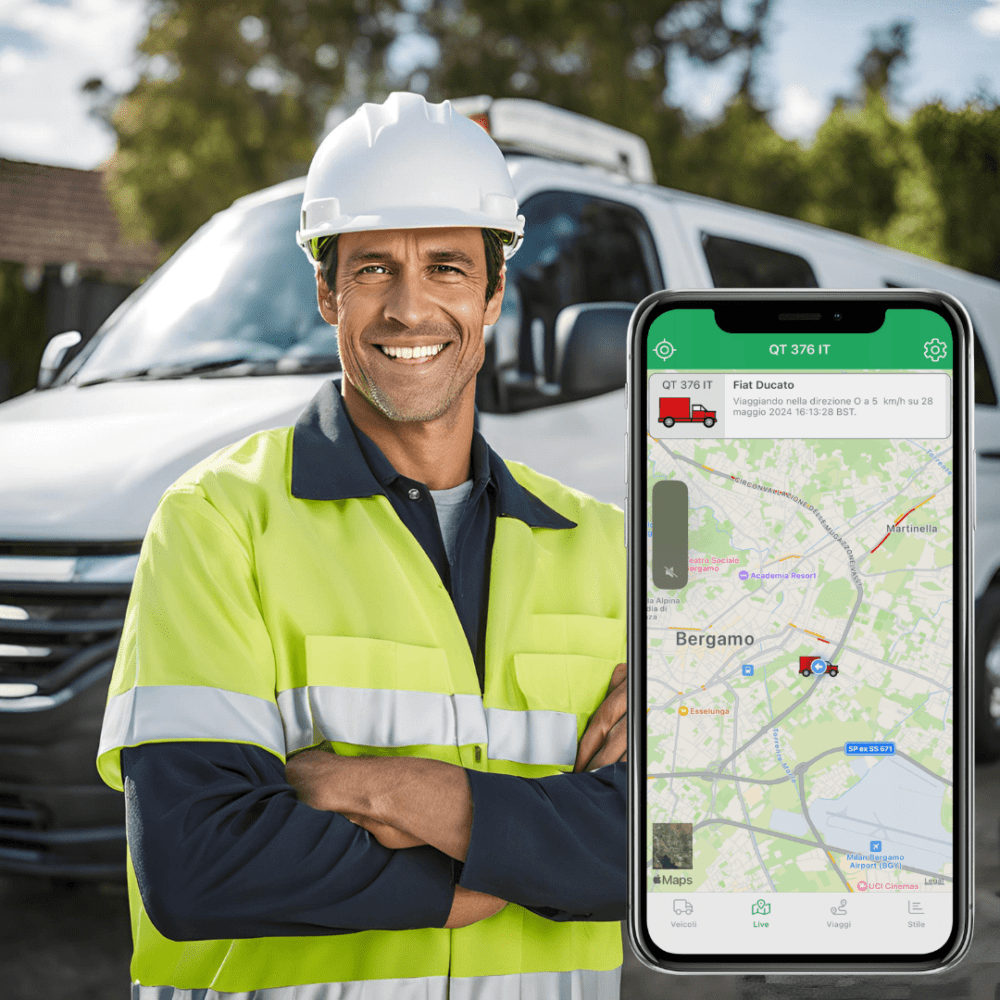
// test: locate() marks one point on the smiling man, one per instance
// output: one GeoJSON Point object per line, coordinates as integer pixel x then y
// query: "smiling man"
{"type": "Point", "coordinates": [368, 708]}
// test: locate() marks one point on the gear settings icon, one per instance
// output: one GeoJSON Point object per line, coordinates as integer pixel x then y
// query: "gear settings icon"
{"type": "Point", "coordinates": [663, 350]}
{"type": "Point", "coordinates": [935, 350]}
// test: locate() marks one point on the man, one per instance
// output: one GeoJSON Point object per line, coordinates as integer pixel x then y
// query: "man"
{"type": "Point", "coordinates": [377, 583]}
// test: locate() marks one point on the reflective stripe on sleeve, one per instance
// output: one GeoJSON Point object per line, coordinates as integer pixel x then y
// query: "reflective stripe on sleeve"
{"type": "Point", "coordinates": [580, 984]}
{"type": "Point", "coordinates": [363, 716]}
{"type": "Point", "coordinates": [380, 717]}
{"type": "Point", "coordinates": [190, 712]}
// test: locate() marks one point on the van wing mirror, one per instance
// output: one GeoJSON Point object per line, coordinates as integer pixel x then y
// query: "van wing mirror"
{"type": "Point", "coordinates": [54, 354]}
{"type": "Point", "coordinates": [591, 340]}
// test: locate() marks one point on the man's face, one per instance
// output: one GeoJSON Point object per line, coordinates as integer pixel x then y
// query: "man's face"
{"type": "Point", "coordinates": [410, 306]}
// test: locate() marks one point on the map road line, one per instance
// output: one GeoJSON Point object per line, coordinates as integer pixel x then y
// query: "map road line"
{"type": "Point", "coordinates": [834, 861]}
{"type": "Point", "coordinates": [811, 843]}
{"type": "Point", "coordinates": [813, 687]}
{"type": "Point", "coordinates": [801, 771]}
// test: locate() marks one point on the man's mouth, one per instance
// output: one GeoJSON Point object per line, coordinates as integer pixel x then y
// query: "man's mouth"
{"type": "Point", "coordinates": [420, 353]}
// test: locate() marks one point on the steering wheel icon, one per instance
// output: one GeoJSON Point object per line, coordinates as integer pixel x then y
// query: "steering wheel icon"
{"type": "Point", "coordinates": [663, 350]}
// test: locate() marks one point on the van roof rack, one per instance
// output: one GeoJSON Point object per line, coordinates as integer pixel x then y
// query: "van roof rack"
{"type": "Point", "coordinates": [525, 126]}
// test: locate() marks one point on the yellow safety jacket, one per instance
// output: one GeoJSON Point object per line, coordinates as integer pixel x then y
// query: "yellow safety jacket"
{"type": "Point", "coordinates": [314, 622]}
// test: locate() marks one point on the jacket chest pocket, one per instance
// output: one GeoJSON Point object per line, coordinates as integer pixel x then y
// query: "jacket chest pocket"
{"type": "Point", "coordinates": [378, 694]}
{"type": "Point", "coordinates": [560, 684]}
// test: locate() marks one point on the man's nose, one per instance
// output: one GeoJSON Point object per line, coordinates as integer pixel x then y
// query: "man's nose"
{"type": "Point", "coordinates": [409, 302]}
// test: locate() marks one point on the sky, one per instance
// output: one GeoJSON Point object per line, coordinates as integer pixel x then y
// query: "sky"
{"type": "Point", "coordinates": [48, 48]}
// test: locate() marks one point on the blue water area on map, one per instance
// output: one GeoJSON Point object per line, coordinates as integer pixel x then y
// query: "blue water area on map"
{"type": "Point", "coordinates": [793, 823]}
{"type": "Point", "coordinates": [859, 766]}
{"type": "Point", "coordinates": [896, 803]}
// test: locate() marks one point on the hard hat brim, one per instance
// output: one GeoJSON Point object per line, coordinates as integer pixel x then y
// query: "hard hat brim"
{"type": "Point", "coordinates": [412, 218]}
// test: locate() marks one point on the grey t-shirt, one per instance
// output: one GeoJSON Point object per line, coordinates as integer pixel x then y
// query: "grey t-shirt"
{"type": "Point", "coordinates": [449, 505]}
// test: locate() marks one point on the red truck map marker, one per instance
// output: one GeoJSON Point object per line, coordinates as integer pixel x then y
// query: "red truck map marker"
{"type": "Point", "coordinates": [809, 665]}
{"type": "Point", "coordinates": [678, 410]}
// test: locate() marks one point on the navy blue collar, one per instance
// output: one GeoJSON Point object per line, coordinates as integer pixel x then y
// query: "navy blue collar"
{"type": "Point", "coordinates": [333, 460]}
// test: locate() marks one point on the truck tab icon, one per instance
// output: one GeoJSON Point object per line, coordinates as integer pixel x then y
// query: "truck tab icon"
{"type": "Point", "coordinates": [678, 409]}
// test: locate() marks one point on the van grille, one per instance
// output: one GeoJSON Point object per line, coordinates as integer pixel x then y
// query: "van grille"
{"type": "Point", "coordinates": [50, 633]}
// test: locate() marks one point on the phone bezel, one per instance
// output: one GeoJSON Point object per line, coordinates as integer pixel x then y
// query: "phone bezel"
{"type": "Point", "coordinates": [760, 301]}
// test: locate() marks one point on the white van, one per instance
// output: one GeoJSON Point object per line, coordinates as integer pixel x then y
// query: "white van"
{"type": "Point", "coordinates": [225, 339]}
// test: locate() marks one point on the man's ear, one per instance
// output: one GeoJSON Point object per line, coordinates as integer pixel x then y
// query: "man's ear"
{"type": "Point", "coordinates": [326, 300]}
{"type": "Point", "coordinates": [492, 313]}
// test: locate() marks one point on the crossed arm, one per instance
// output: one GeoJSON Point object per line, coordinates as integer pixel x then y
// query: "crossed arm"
{"type": "Point", "coordinates": [408, 801]}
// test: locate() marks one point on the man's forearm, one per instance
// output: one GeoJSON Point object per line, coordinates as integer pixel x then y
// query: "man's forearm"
{"type": "Point", "coordinates": [556, 844]}
{"type": "Point", "coordinates": [222, 850]}
{"type": "Point", "coordinates": [427, 799]}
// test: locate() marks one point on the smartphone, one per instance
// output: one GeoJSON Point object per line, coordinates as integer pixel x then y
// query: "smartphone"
{"type": "Point", "coordinates": [799, 535]}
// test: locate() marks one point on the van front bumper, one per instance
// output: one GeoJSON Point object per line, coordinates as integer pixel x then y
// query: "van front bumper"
{"type": "Point", "coordinates": [57, 818]}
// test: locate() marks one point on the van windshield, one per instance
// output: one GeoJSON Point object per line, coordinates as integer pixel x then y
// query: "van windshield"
{"type": "Point", "coordinates": [238, 298]}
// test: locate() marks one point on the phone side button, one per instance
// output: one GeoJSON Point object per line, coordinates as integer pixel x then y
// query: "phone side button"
{"type": "Point", "coordinates": [626, 520]}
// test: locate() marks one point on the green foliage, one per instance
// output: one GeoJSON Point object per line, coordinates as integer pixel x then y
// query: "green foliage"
{"type": "Point", "coordinates": [611, 63]}
{"type": "Point", "coordinates": [962, 152]}
{"type": "Point", "coordinates": [742, 160]}
{"type": "Point", "coordinates": [854, 163]}
{"type": "Point", "coordinates": [928, 185]}
{"type": "Point", "coordinates": [231, 99]}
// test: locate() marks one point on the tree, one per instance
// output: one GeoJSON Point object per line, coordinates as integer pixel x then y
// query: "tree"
{"type": "Point", "coordinates": [868, 173]}
{"type": "Point", "coordinates": [856, 158]}
{"type": "Point", "coordinates": [231, 98]}
{"type": "Point", "coordinates": [742, 160]}
{"type": "Point", "coordinates": [612, 64]}
{"type": "Point", "coordinates": [962, 151]}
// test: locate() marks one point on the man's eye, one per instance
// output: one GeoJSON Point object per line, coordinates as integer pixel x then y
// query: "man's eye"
{"type": "Point", "coordinates": [373, 268]}
{"type": "Point", "coordinates": [448, 267]}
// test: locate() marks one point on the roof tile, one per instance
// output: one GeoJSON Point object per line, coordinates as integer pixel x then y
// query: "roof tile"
{"type": "Point", "coordinates": [53, 215]}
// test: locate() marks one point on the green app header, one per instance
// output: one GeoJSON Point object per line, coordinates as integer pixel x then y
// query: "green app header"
{"type": "Point", "coordinates": [690, 339]}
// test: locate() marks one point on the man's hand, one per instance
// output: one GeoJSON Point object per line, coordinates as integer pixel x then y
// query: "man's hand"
{"type": "Point", "coordinates": [605, 739]}
{"type": "Point", "coordinates": [403, 801]}
{"type": "Point", "coordinates": [381, 788]}
{"type": "Point", "coordinates": [468, 907]}
{"type": "Point", "coordinates": [308, 773]}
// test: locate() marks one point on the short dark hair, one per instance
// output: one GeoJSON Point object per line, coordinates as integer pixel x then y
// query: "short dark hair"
{"type": "Point", "coordinates": [326, 248]}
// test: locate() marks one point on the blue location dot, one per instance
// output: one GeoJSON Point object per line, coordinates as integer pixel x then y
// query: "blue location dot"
{"type": "Point", "coordinates": [818, 666]}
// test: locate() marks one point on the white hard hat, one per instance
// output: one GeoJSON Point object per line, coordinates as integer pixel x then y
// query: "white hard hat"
{"type": "Point", "coordinates": [407, 164]}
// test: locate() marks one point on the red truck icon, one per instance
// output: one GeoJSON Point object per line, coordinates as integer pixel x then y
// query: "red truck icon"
{"type": "Point", "coordinates": [817, 665]}
{"type": "Point", "coordinates": [678, 409]}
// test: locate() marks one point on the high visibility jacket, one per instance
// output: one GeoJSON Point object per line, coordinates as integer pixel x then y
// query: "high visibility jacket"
{"type": "Point", "coordinates": [307, 623]}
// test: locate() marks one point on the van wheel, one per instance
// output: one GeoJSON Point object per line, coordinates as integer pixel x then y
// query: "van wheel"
{"type": "Point", "coordinates": [709, 422]}
{"type": "Point", "coordinates": [668, 421]}
{"type": "Point", "coordinates": [987, 676]}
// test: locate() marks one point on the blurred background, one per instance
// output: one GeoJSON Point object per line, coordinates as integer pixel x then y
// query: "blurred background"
{"type": "Point", "coordinates": [126, 124]}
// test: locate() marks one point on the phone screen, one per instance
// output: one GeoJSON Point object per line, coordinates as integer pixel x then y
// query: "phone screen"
{"type": "Point", "coordinates": [800, 601]}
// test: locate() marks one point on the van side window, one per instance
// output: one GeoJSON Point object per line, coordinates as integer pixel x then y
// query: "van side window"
{"type": "Point", "coordinates": [735, 264]}
{"type": "Point", "coordinates": [986, 394]}
{"type": "Point", "coordinates": [577, 248]}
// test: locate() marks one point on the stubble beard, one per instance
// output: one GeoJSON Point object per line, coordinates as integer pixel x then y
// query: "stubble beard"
{"type": "Point", "coordinates": [411, 410]}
